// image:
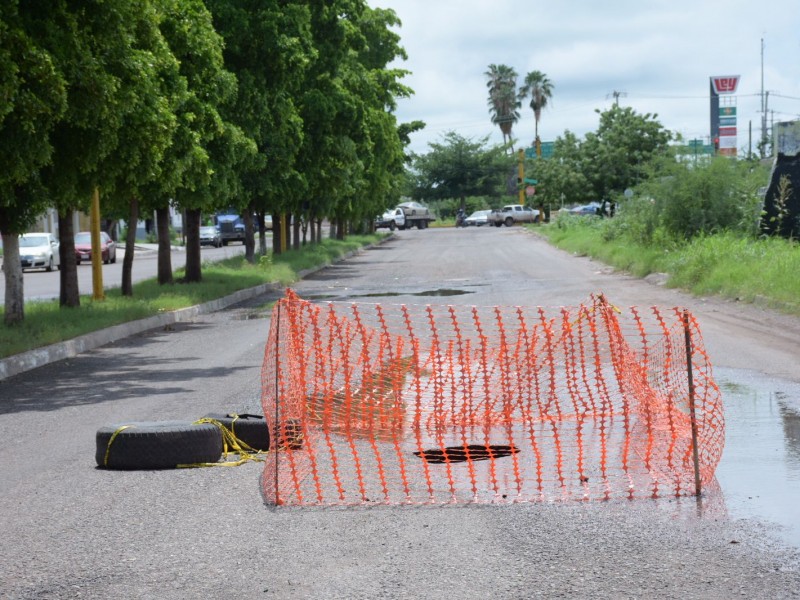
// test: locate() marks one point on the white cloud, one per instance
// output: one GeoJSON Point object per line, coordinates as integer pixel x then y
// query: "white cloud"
{"type": "Point", "coordinates": [659, 53]}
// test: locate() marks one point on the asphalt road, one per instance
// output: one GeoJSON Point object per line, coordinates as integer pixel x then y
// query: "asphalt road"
{"type": "Point", "coordinates": [70, 530]}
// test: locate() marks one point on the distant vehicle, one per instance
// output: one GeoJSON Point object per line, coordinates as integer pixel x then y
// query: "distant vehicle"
{"type": "Point", "coordinates": [391, 220]}
{"type": "Point", "coordinates": [512, 213]}
{"type": "Point", "coordinates": [83, 247]}
{"type": "Point", "coordinates": [209, 236]}
{"type": "Point", "coordinates": [268, 221]}
{"type": "Point", "coordinates": [230, 226]}
{"type": "Point", "coordinates": [478, 218]}
{"type": "Point", "coordinates": [593, 208]}
{"type": "Point", "coordinates": [39, 251]}
{"type": "Point", "coordinates": [405, 216]}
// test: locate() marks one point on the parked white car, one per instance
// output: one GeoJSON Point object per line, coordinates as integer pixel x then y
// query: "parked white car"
{"type": "Point", "coordinates": [39, 251]}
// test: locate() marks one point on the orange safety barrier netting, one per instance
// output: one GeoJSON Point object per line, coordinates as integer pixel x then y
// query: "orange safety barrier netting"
{"type": "Point", "coordinates": [374, 403]}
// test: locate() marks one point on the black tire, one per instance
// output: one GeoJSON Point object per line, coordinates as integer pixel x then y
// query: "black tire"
{"type": "Point", "coordinates": [420, 224]}
{"type": "Point", "coordinates": [114, 258]}
{"type": "Point", "coordinates": [251, 429]}
{"type": "Point", "coordinates": [49, 266]}
{"type": "Point", "coordinates": [392, 225]}
{"type": "Point", "coordinates": [509, 221]}
{"type": "Point", "coordinates": [498, 223]}
{"type": "Point", "coordinates": [157, 445]}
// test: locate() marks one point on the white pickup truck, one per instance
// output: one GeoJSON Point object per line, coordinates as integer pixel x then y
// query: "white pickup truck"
{"type": "Point", "coordinates": [512, 213]}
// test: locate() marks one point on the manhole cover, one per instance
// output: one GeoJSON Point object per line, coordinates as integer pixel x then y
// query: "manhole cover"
{"type": "Point", "coordinates": [472, 452]}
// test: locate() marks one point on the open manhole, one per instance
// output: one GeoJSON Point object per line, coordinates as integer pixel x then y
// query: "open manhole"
{"type": "Point", "coordinates": [471, 452]}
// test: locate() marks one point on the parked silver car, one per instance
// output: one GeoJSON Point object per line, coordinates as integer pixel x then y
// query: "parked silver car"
{"type": "Point", "coordinates": [39, 251]}
{"type": "Point", "coordinates": [209, 236]}
{"type": "Point", "coordinates": [478, 218]}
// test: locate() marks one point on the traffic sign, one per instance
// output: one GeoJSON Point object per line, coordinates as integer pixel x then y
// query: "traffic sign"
{"type": "Point", "coordinates": [547, 150]}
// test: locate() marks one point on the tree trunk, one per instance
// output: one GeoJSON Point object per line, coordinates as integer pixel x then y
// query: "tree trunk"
{"type": "Point", "coordinates": [319, 230]}
{"type": "Point", "coordinates": [296, 233]}
{"type": "Point", "coordinates": [262, 234]}
{"type": "Point", "coordinates": [286, 231]}
{"type": "Point", "coordinates": [130, 242]}
{"type": "Point", "coordinates": [340, 225]}
{"type": "Point", "coordinates": [12, 270]}
{"type": "Point", "coordinates": [191, 225]}
{"type": "Point", "coordinates": [249, 237]}
{"type": "Point", "coordinates": [164, 247]}
{"type": "Point", "coordinates": [69, 294]}
{"type": "Point", "coordinates": [277, 219]}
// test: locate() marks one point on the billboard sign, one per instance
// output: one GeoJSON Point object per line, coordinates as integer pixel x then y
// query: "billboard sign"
{"type": "Point", "coordinates": [725, 84]}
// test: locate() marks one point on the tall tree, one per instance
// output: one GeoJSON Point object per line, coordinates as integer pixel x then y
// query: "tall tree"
{"type": "Point", "coordinates": [503, 102]}
{"type": "Point", "coordinates": [540, 89]}
{"type": "Point", "coordinates": [107, 51]}
{"type": "Point", "coordinates": [617, 155]}
{"type": "Point", "coordinates": [268, 48]}
{"type": "Point", "coordinates": [207, 151]}
{"type": "Point", "coordinates": [33, 92]}
{"type": "Point", "coordinates": [458, 167]}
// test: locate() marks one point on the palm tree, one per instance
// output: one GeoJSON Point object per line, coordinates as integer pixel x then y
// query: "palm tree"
{"type": "Point", "coordinates": [539, 87]}
{"type": "Point", "coordinates": [503, 102]}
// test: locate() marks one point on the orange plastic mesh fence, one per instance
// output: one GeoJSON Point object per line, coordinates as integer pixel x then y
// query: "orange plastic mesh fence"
{"type": "Point", "coordinates": [374, 403]}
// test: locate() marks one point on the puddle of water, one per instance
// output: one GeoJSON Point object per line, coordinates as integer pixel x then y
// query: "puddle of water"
{"type": "Point", "coordinates": [439, 292]}
{"type": "Point", "coordinates": [760, 469]}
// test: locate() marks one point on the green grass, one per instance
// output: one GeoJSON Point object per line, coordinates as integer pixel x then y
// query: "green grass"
{"type": "Point", "coordinates": [47, 323]}
{"type": "Point", "coordinates": [728, 265]}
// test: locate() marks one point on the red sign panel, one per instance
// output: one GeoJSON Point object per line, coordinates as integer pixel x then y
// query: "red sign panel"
{"type": "Point", "coordinates": [727, 131]}
{"type": "Point", "coordinates": [726, 84]}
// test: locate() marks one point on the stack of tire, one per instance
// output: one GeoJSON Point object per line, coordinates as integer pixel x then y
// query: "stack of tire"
{"type": "Point", "coordinates": [173, 444]}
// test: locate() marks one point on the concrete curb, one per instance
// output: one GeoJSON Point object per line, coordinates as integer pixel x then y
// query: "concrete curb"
{"type": "Point", "coordinates": [33, 359]}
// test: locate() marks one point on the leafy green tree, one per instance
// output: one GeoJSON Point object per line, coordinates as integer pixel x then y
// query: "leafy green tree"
{"type": "Point", "coordinates": [458, 167]}
{"type": "Point", "coordinates": [376, 89]}
{"type": "Point", "coordinates": [33, 93]}
{"type": "Point", "coordinates": [207, 151]}
{"type": "Point", "coordinates": [540, 89]}
{"type": "Point", "coordinates": [617, 155]}
{"type": "Point", "coordinates": [109, 53]}
{"type": "Point", "coordinates": [503, 101]}
{"type": "Point", "coordinates": [268, 47]}
{"type": "Point", "coordinates": [561, 179]}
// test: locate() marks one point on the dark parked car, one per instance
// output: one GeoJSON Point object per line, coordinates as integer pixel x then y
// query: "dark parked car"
{"type": "Point", "coordinates": [83, 247]}
{"type": "Point", "coordinates": [209, 236]}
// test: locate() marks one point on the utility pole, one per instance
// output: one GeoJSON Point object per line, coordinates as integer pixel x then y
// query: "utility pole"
{"type": "Point", "coordinates": [763, 144]}
{"type": "Point", "coordinates": [616, 94]}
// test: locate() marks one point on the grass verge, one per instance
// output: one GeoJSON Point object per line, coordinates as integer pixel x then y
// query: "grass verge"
{"type": "Point", "coordinates": [766, 271]}
{"type": "Point", "coordinates": [47, 323]}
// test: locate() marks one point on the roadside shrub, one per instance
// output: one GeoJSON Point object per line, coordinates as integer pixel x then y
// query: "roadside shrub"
{"type": "Point", "coordinates": [687, 200]}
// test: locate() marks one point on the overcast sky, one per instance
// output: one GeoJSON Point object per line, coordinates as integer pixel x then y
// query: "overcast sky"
{"type": "Point", "coordinates": [658, 54]}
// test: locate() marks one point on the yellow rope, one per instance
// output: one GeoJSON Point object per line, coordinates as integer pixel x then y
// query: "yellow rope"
{"type": "Point", "coordinates": [229, 439]}
{"type": "Point", "coordinates": [111, 440]}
